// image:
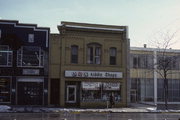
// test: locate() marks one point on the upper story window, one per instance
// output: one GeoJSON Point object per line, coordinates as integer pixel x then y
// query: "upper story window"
{"type": "Point", "coordinates": [5, 56]}
{"type": "Point", "coordinates": [168, 62]}
{"type": "Point", "coordinates": [30, 56]}
{"type": "Point", "coordinates": [74, 54]}
{"type": "Point", "coordinates": [141, 61]}
{"type": "Point", "coordinates": [94, 53]}
{"type": "Point", "coordinates": [31, 38]}
{"type": "Point", "coordinates": [113, 53]}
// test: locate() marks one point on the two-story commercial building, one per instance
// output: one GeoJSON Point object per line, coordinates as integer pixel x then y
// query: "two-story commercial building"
{"type": "Point", "coordinates": [23, 63]}
{"type": "Point", "coordinates": [88, 63]}
{"type": "Point", "coordinates": [148, 68]}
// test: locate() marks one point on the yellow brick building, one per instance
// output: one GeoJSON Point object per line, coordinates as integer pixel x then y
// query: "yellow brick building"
{"type": "Point", "coordinates": [88, 62]}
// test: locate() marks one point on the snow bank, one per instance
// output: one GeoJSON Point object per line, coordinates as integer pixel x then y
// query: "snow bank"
{"type": "Point", "coordinates": [4, 108]}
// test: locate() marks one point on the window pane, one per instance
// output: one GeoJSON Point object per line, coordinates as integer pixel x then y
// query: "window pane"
{"type": "Point", "coordinates": [113, 52]}
{"type": "Point", "coordinates": [90, 55]}
{"type": "Point", "coordinates": [100, 91]}
{"type": "Point", "coordinates": [97, 60]}
{"type": "Point", "coordinates": [94, 54]}
{"type": "Point", "coordinates": [74, 50]}
{"type": "Point", "coordinates": [98, 51]}
{"type": "Point", "coordinates": [112, 56]}
{"type": "Point", "coordinates": [30, 56]}
{"type": "Point", "coordinates": [97, 57]}
{"type": "Point", "coordinates": [5, 56]}
{"type": "Point", "coordinates": [74, 54]}
{"type": "Point", "coordinates": [112, 60]}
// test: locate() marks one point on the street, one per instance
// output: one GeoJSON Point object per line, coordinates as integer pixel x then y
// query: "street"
{"type": "Point", "coordinates": [89, 116]}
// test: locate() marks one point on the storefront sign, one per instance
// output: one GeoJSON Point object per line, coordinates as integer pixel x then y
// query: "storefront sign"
{"type": "Point", "coordinates": [92, 74]}
{"type": "Point", "coordinates": [30, 71]}
{"type": "Point", "coordinates": [111, 86]}
{"type": "Point", "coordinates": [33, 79]}
{"type": "Point", "coordinates": [91, 85]}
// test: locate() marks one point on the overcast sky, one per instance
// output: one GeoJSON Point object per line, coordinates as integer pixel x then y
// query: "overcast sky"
{"type": "Point", "coordinates": [143, 17]}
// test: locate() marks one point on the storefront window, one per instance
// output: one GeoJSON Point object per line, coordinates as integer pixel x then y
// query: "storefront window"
{"type": "Point", "coordinates": [4, 89]}
{"type": "Point", "coordinates": [30, 56]}
{"type": "Point", "coordinates": [100, 91]}
{"type": "Point", "coordinates": [5, 56]}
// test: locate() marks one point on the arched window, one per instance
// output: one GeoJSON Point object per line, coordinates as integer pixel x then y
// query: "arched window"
{"type": "Point", "coordinates": [74, 54]}
{"type": "Point", "coordinates": [113, 53]}
{"type": "Point", "coordinates": [94, 53]}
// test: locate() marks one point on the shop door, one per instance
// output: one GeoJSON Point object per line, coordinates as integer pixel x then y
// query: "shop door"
{"type": "Point", "coordinates": [71, 94]}
{"type": "Point", "coordinates": [54, 96]}
{"type": "Point", "coordinates": [133, 96]}
{"type": "Point", "coordinates": [30, 93]}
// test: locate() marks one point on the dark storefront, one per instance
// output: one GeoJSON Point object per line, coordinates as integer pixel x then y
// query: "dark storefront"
{"type": "Point", "coordinates": [23, 63]}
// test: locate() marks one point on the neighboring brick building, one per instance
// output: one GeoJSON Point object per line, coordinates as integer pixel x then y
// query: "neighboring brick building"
{"type": "Point", "coordinates": [23, 63]}
{"type": "Point", "coordinates": [88, 62]}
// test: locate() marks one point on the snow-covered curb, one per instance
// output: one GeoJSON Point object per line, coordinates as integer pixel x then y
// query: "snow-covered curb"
{"type": "Point", "coordinates": [4, 108]}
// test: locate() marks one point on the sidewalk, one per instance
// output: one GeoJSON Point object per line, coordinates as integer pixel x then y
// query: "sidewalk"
{"type": "Point", "coordinates": [132, 108]}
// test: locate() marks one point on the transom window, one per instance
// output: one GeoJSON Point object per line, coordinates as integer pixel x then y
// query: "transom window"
{"type": "Point", "coordinates": [5, 56]}
{"type": "Point", "coordinates": [112, 55]}
{"type": "Point", "coordinates": [30, 56]}
{"type": "Point", "coordinates": [74, 54]}
{"type": "Point", "coordinates": [94, 53]}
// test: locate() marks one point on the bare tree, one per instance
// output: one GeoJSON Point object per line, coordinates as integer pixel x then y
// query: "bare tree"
{"type": "Point", "coordinates": [165, 61]}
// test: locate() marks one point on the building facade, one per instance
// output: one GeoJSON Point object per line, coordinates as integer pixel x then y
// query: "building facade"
{"type": "Point", "coordinates": [23, 63]}
{"type": "Point", "coordinates": [147, 77]}
{"type": "Point", "coordinates": [88, 62]}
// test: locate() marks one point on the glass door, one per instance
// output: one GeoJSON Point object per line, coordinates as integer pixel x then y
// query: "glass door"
{"type": "Point", "coordinates": [71, 94]}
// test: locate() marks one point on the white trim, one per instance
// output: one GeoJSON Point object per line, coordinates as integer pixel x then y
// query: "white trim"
{"type": "Point", "coordinates": [30, 79]}
{"type": "Point", "coordinates": [94, 28]}
{"type": "Point", "coordinates": [155, 77]}
{"type": "Point", "coordinates": [155, 49]}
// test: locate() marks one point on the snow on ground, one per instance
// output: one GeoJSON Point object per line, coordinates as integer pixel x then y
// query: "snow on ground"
{"type": "Point", "coordinates": [5, 108]}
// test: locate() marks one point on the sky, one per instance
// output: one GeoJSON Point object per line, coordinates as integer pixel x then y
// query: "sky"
{"type": "Point", "coordinates": [144, 18]}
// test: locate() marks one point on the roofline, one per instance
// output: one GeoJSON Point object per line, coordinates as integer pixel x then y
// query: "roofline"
{"type": "Point", "coordinates": [22, 24]}
{"type": "Point", "coordinates": [92, 27]}
{"type": "Point", "coordinates": [31, 26]}
{"type": "Point", "coordinates": [155, 49]}
{"type": "Point", "coordinates": [89, 24]}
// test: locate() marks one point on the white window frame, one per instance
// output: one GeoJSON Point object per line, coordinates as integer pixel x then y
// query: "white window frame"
{"type": "Point", "coordinates": [20, 53]}
{"type": "Point", "coordinates": [9, 53]}
{"type": "Point", "coordinates": [31, 38]}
